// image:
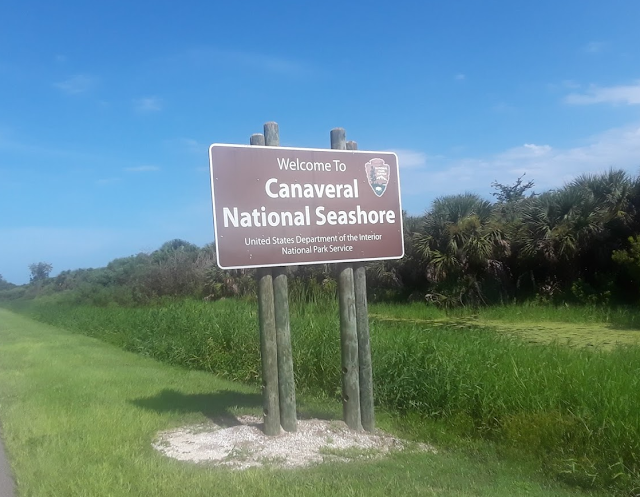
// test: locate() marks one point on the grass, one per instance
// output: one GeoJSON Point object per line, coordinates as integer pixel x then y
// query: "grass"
{"type": "Point", "coordinates": [575, 411]}
{"type": "Point", "coordinates": [618, 317]}
{"type": "Point", "coordinates": [600, 328]}
{"type": "Point", "coordinates": [79, 416]}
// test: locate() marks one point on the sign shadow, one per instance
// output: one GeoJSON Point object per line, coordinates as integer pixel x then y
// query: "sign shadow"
{"type": "Point", "coordinates": [216, 406]}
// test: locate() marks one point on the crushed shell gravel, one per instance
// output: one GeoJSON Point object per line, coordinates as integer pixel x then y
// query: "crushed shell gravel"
{"type": "Point", "coordinates": [245, 445]}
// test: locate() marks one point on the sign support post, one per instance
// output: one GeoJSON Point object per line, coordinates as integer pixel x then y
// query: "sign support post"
{"type": "Point", "coordinates": [348, 326]}
{"type": "Point", "coordinates": [286, 384]}
{"type": "Point", "coordinates": [365, 368]}
{"type": "Point", "coordinates": [279, 394]}
{"type": "Point", "coordinates": [268, 342]}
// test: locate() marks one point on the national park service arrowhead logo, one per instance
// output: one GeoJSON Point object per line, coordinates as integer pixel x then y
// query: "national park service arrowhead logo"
{"type": "Point", "coordinates": [378, 175]}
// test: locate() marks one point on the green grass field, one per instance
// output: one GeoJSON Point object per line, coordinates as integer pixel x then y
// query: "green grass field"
{"type": "Point", "coordinates": [79, 416]}
{"type": "Point", "coordinates": [556, 386]}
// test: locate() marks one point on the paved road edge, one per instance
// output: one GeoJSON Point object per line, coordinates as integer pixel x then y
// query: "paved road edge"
{"type": "Point", "coordinates": [7, 487]}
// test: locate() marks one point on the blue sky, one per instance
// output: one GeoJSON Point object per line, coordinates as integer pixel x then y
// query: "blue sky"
{"type": "Point", "coordinates": [107, 109]}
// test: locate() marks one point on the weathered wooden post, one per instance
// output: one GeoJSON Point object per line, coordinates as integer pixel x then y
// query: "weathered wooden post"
{"type": "Point", "coordinates": [365, 368]}
{"type": "Point", "coordinates": [348, 327]}
{"type": "Point", "coordinates": [286, 384]}
{"type": "Point", "coordinates": [268, 340]}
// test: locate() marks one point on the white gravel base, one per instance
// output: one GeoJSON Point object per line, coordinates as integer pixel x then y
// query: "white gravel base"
{"type": "Point", "coordinates": [246, 445]}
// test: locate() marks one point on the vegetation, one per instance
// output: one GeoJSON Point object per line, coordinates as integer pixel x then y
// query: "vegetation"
{"type": "Point", "coordinates": [79, 417]}
{"type": "Point", "coordinates": [574, 410]}
{"type": "Point", "coordinates": [518, 327]}
{"type": "Point", "coordinates": [5, 285]}
{"type": "Point", "coordinates": [577, 244]}
{"type": "Point", "coordinates": [40, 271]}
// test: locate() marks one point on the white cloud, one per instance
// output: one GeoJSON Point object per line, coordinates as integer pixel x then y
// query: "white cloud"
{"type": "Point", "coordinates": [410, 158]}
{"type": "Point", "coordinates": [80, 83]}
{"type": "Point", "coordinates": [147, 104]}
{"type": "Point", "coordinates": [526, 151]}
{"type": "Point", "coordinates": [460, 77]}
{"type": "Point", "coordinates": [625, 94]}
{"type": "Point", "coordinates": [547, 166]}
{"type": "Point", "coordinates": [141, 169]}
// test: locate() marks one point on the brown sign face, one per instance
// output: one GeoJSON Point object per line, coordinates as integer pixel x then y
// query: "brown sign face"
{"type": "Point", "coordinates": [276, 206]}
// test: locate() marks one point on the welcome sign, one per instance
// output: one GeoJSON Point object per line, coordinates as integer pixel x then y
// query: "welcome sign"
{"type": "Point", "coordinates": [277, 206]}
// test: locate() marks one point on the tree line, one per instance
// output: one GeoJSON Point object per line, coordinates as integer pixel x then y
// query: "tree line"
{"type": "Point", "coordinates": [577, 243]}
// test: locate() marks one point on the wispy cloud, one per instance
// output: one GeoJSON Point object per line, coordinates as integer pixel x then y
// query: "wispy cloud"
{"type": "Point", "coordinates": [548, 166]}
{"type": "Point", "coordinates": [107, 181]}
{"type": "Point", "coordinates": [595, 47]}
{"type": "Point", "coordinates": [79, 83]}
{"type": "Point", "coordinates": [624, 94]}
{"type": "Point", "coordinates": [29, 147]}
{"type": "Point", "coordinates": [189, 145]}
{"type": "Point", "coordinates": [503, 108]}
{"type": "Point", "coordinates": [563, 86]}
{"type": "Point", "coordinates": [148, 104]}
{"type": "Point", "coordinates": [570, 84]}
{"type": "Point", "coordinates": [460, 77]}
{"type": "Point", "coordinates": [526, 151]}
{"type": "Point", "coordinates": [260, 61]}
{"type": "Point", "coordinates": [65, 248]}
{"type": "Point", "coordinates": [410, 158]}
{"type": "Point", "coordinates": [141, 169]}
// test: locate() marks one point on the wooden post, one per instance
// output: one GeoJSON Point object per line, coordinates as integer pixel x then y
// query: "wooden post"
{"type": "Point", "coordinates": [364, 347]}
{"type": "Point", "coordinates": [365, 368]}
{"type": "Point", "coordinates": [348, 327]}
{"type": "Point", "coordinates": [271, 134]}
{"type": "Point", "coordinates": [286, 384]}
{"type": "Point", "coordinates": [269, 352]}
{"type": "Point", "coordinates": [268, 341]}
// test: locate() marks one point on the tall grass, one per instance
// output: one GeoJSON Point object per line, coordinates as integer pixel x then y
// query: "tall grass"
{"type": "Point", "coordinates": [577, 410]}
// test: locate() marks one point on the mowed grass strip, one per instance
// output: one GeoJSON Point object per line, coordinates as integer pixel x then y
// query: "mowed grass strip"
{"type": "Point", "coordinates": [79, 417]}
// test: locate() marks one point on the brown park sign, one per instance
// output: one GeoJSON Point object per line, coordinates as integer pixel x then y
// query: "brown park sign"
{"type": "Point", "coordinates": [277, 206]}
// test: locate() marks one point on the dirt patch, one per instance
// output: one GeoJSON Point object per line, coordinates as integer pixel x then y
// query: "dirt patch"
{"type": "Point", "coordinates": [245, 445]}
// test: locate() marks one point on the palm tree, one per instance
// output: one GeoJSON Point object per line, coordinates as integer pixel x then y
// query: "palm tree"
{"type": "Point", "coordinates": [610, 192]}
{"type": "Point", "coordinates": [463, 246]}
{"type": "Point", "coordinates": [570, 233]}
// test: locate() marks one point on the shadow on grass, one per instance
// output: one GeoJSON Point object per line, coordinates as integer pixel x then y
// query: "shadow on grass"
{"type": "Point", "coordinates": [216, 406]}
{"type": "Point", "coordinates": [219, 406]}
